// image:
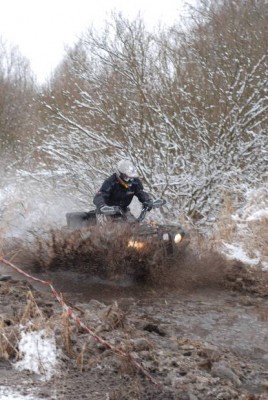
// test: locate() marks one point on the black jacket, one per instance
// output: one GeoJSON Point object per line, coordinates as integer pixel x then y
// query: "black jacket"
{"type": "Point", "coordinates": [116, 193]}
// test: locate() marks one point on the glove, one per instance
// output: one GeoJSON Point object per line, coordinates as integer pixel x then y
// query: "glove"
{"type": "Point", "coordinates": [148, 205]}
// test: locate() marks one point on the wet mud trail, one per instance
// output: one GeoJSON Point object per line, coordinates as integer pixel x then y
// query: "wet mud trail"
{"type": "Point", "coordinates": [202, 335]}
{"type": "Point", "coordinates": [217, 323]}
{"type": "Point", "coordinates": [221, 317]}
{"type": "Point", "coordinates": [224, 318]}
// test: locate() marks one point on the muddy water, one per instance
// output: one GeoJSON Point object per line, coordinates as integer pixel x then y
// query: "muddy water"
{"type": "Point", "coordinates": [217, 318]}
{"type": "Point", "coordinates": [223, 318]}
{"type": "Point", "coordinates": [226, 319]}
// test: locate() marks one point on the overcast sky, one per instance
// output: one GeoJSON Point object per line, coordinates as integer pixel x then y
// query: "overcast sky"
{"type": "Point", "coordinates": [42, 28]}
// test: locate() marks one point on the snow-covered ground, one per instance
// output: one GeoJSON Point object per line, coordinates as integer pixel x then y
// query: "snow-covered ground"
{"type": "Point", "coordinates": [39, 353]}
{"type": "Point", "coordinates": [247, 227]}
{"type": "Point", "coordinates": [7, 393]}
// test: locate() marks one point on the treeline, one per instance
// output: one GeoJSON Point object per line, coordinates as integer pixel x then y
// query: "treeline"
{"type": "Point", "coordinates": [17, 115]}
{"type": "Point", "coordinates": [187, 103]}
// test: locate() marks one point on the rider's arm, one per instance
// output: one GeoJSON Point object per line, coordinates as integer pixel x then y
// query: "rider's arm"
{"type": "Point", "coordinates": [102, 196]}
{"type": "Point", "coordinates": [140, 193]}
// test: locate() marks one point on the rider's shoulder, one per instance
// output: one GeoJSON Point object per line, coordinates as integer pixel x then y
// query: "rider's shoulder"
{"type": "Point", "coordinates": [111, 178]}
{"type": "Point", "coordinates": [108, 182]}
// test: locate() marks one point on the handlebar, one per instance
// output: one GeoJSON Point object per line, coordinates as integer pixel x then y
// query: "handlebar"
{"type": "Point", "coordinates": [113, 210]}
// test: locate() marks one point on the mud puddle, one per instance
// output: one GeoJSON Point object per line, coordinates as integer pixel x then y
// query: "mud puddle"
{"type": "Point", "coordinates": [221, 317]}
{"type": "Point", "coordinates": [199, 342]}
{"type": "Point", "coordinates": [224, 318]}
{"type": "Point", "coordinates": [226, 321]}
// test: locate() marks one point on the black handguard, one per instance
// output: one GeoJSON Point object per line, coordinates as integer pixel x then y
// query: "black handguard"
{"type": "Point", "coordinates": [106, 209]}
{"type": "Point", "coordinates": [109, 210]}
{"type": "Point", "coordinates": [148, 205]}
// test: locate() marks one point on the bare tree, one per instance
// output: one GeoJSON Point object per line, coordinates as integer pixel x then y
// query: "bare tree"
{"type": "Point", "coordinates": [17, 115]}
{"type": "Point", "coordinates": [188, 106]}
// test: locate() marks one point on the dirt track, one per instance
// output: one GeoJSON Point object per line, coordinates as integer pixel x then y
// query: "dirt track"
{"type": "Point", "coordinates": [202, 338]}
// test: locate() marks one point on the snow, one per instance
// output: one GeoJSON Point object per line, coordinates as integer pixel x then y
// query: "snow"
{"type": "Point", "coordinates": [258, 215]}
{"type": "Point", "coordinates": [248, 243]}
{"type": "Point", "coordinates": [7, 393]}
{"type": "Point", "coordinates": [236, 252]}
{"type": "Point", "coordinates": [39, 353]}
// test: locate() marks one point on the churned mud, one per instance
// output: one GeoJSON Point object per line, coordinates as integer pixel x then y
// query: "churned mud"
{"type": "Point", "coordinates": [198, 328]}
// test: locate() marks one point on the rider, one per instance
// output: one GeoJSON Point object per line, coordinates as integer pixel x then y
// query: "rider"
{"type": "Point", "coordinates": [120, 188]}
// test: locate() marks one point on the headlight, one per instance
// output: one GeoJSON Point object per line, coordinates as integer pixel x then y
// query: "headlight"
{"type": "Point", "coordinates": [177, 238]}
{"type": "Point", "coordinates": [136, 245]}
{"type": "Point", "coordinates": [165, 236]}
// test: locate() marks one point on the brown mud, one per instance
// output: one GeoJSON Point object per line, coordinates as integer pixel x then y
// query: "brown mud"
{"type": "Point", "coordinates": [198, 326]}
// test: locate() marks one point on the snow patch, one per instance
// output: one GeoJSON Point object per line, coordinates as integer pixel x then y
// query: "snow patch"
{"type": "Point", "coordinates": [258, 215]}
{"type": "Point", "coordinates": [7, 393]}
{"type": "Point", "coordinates": [39, 353]}
{"type": "Point", "coordinates": [236, 252]}
{"type": "Point", "coordinates": [248, 243]}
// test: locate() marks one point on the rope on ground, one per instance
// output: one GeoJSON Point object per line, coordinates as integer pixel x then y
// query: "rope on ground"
{"type": "Point", "coordinates": [71, 314]}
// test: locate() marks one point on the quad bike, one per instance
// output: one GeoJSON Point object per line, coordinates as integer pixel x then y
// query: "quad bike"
{"type": "Point", "coordinates": [173, 238]}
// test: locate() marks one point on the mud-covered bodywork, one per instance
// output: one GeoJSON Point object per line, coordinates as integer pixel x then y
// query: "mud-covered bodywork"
{"type": "Point", "coordinates": [172, 238]}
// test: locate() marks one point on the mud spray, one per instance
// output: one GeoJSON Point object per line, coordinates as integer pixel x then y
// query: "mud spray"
{"type": "Point", "coordinates": [101, 258]}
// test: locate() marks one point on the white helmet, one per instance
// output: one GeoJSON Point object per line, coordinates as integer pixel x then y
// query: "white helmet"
{"type": "Point", "coordinates": [127, 169]}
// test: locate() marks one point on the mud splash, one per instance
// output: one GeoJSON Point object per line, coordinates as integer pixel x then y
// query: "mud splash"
{"type": "Point", "coordinates": [103, 261]}
{"type": "Point", "coordinates": [198, 323]}
{"type": "Point", "coordinates": [95, 253]}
